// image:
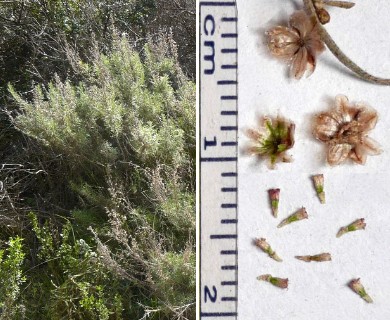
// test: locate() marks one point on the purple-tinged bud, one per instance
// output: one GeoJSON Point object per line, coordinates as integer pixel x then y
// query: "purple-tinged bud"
{"type": "Point", "coordinates": [274, 199]}
{"type": "Point", "coordinates": [356, 286]}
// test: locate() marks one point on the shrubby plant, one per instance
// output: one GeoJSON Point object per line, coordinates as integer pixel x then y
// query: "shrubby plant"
{"type": "Point", "coordinates": [125, 139]}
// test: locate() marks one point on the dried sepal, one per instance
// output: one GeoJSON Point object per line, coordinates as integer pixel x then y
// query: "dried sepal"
{"type": "Point", "coordinates": [340, 4]}
{"type": "Point", "coordinates": [299, 215]}
{"type": "Point", "coordinates": [271, 140]}
{"type": "Point", "coordinates": [356, 286]}
{"type": "Point", "coordinates": [344, 129]}
{"type": "Point", "coordinates": [277, 282]}
{"type": "Point", "coordinates": [274, 201]}
{"type": "Point", "coordinates": [264, 246]}
{"type": "Point", "coordinates": [358, 224]}
{"type": "Point", "coordinates": [298, 44]}
{"type": "Point", "coordinates": [318, 181]}
{"type": "Point", "coordinates": [318, 257]}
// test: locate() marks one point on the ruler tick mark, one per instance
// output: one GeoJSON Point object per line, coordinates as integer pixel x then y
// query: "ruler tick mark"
{"type": "Point", "coordinates": [229, 174]}
{"type": "Point", "coordinates": [229, 50]}
{"type": "Point", "coordinates": [229, 299]}
{"type": "Point", "coordinates": [229, 98]}
{"type": "Point", "coordinates": [228, 252]}
{"type": "Point", "coordinates": [231, 267]}
{"type": "Point", "coordinates": [228, 205]}
{"type": "Point", "coordinates": [228, 283]}
{"type": "Point", "coordinates": [229, 128]}
{"type": "Point", "coordinates": [226, 82]}
{"type": "Point", "coordinates": [223, 236]}
{"type": "Point", "coordinates": [218, 314]}
{"type": "Point", "coordinates": [229, 19]}
{"type": "Point", "coordinates": [229, 189]}
{"type": "Point", "coordinates": [228, 143]}
{"type": "Point", "coordinates": [229, 113]}
{"type": "Point", "coordinates": [229, 221]}
{"type": "Point", "coordinates": [229, 35]}
{"type": "Point", "coordinates": [218, 159]}
{"type": "Point", "coordinates": [229, 66]}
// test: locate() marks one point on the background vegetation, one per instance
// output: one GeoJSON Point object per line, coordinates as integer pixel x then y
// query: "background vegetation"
{"type": "Point", "coordinates": [97, 154]}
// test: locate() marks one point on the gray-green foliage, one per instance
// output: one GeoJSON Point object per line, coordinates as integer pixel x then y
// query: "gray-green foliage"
{"type": "Point", "coordinates": [126, 138]}
{"type": "Point", "coordinates": [11, 279]}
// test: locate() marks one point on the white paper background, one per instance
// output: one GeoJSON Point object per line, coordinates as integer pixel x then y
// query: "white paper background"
{"type": "Point", "coordinates": [316, 290]}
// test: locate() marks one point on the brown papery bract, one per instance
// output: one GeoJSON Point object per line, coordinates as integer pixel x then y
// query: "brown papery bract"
{"type": "Point", "coordinates": [344, 129]}
{"type": "Point", "coordinates": [298, 44]}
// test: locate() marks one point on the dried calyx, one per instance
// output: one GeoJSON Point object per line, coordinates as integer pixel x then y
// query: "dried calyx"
{"type": "Point", "coordinates": [318, 257]}
{"type": "Point", "coordinates": [274, 200]}
{"type": "Point", "coordinates": [358, 224]}
{"type": "Point", "coordinates": [277, 282]}
{"type": "Point", "coordinates": [272, 140]}
{"type": "Point", "coordinates": [298, 44]}
{"type": "Point", "coordinates": [299, 215]}
{"type": "Point", "coordinates": [357, 287]}
{"type": "Point", "coordinates": [344, 129]}
{"type": "Point", "coordinates": [264, 246]}
{"type": "Point", "coordinates": [318, 181]}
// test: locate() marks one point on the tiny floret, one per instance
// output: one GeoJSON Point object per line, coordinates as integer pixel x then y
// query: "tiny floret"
{"type": "Point", "coordinates": [299, 215]}
{"type": "Point", "coordinates": [277, 282]}
{"type": "Point", "coordinates": [264, 246]}
{"type": "Point", "coordinates": [357, 287]}
{"type": "Point", "coordinates": [358, 224]}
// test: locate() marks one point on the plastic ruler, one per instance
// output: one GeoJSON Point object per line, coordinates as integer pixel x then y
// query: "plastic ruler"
{"type": "Point", "coordinates": [217, 159]}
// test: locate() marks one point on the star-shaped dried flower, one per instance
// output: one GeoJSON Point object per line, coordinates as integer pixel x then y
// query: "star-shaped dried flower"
{"type": "Point", "coordinates": [298, 44]}
{"type": "Point", "coordinates": [272, 139]}
{"type": "Point", "coordinates": [344, 129]}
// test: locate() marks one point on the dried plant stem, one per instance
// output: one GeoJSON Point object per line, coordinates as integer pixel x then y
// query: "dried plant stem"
{"type": "Point", "coordinates": [341, 56]}
{"type": "Point", "coordinates": [340, 4]}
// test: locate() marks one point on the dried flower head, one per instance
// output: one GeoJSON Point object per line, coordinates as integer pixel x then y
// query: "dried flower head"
{"type": "Point", "coordinates": [358, 224]}
{"type": "Point", "coordinates": [272, 139]}
{"type": "Point", "coordinates": [318, 180]}
{"type": "Point", "coordinates": [318, 257]}
{"type": "Point", "coordinates": [344, 129]}
{"type": "Point", "coordinates": [274, 199]}
{"type": "Point", "coordinates": [299, 215]}
{"type": "Point", "coordinates": [278, 282]}
{"type": "Point", "coordinates": [263, 245]}
{"type": "Point", "coordinates": [298, 44]}
{"type": "Point", "coordinates": [356, 286]}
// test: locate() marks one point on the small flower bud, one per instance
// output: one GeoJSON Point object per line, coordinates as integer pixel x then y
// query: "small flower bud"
{"type": "Point", "coordinates": [318, 180]}
{"type": "Point", "coordinates": [318, 257]}
{"type": "Point", "coordinates": [323, 16]}
{"type": "Point", "coordinates": [359, 224]}
{"type": "Point", "coordinates": [356, 286]}
{"type": "Point", "coordinates": [274, 199]}
{"type": "Point", "coordinates": [278, 282]}
{"type": "Point", "coordinates": [299, 215]}
{"type": "Point", "coordinates": [263, 245]}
